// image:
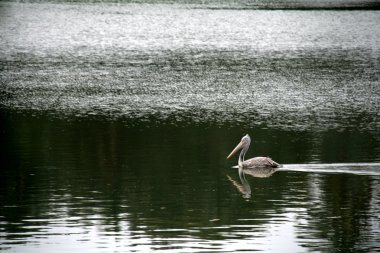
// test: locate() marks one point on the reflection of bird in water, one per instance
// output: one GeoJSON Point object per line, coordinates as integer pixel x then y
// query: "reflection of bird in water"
{"type": "Point", "coordinates": [255, 162]}
{"type": "Point", "coordinates": [244, 186]}
{"type": "Point", "coordinates": [260, 171]}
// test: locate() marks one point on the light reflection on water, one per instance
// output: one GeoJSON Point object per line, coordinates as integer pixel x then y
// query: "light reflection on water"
{"type": "Point", "coordinates": [118, 118]}
{"type": "Point", "coordinates": [136, 208]}
{"type": "Point", "coordinates": [290, 225]}
{"type": "Point", "coordinates": [278, 68]}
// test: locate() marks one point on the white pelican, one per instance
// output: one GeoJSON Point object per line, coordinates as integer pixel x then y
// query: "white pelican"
{"type": "Point", "coordinates": [259, 161]}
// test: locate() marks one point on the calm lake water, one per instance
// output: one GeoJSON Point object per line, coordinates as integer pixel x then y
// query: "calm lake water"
{"type": "Point", "coordinates": [117, 120]}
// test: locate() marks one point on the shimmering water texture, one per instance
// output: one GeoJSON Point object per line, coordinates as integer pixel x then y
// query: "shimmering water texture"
{"type": "Point", "coordinates": [295, 69]}
{"type": "Point", "coordinates": [101, 185]}
{"type": "Point", "coordinates": [137, 213]}
{"type": "Point", "coordinates": [116, 120]}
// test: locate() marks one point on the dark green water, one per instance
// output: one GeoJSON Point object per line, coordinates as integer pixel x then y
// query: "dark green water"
{"type": "Point", "coordinates": [99, 185]}
{"type": "Point", "coordinates": [116, 120]}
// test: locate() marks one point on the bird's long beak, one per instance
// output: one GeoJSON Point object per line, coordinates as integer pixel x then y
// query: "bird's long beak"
{"type": "Point", "coordinates": [235, 150]}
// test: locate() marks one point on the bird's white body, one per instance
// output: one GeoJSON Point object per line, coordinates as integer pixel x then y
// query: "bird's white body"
{"type": "Point", "coordinates": [255, 162]}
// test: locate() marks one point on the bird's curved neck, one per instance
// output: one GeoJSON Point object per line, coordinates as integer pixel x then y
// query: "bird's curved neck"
{"type": "Point", "coordinates": [242, 154]}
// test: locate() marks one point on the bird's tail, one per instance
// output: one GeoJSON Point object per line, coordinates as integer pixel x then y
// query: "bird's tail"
{"type": "Point", "coordinates": [277, 165]}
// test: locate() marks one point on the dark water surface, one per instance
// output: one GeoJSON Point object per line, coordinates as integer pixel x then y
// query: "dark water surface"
{"type": "Point", "coordinates": [116, 120]}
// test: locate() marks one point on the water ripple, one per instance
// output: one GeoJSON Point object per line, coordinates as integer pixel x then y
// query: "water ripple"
{"type": "Point", "coordinates": [370, 169]}
{"type": "Point", "coordinates": [292, 70]}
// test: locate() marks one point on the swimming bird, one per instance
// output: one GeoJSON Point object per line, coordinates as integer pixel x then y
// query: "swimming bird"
{"type": "Point", "coordinates": [259, 161]}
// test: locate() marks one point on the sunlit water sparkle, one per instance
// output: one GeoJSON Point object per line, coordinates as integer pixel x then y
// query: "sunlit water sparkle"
{"type": "Point", "coordinates": [117, 118]}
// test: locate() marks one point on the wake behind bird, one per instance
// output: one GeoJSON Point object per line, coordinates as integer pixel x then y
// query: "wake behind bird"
{"type": "Point", "coordinates": [371, 169]}
{"type": "Point", "coordinates": [336, 168]}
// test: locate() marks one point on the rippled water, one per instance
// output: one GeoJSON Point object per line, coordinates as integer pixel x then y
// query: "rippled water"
{"type": "Point", "coordinates": [117, 118]}
{"type": "Point", "coordinates": [97, 185]}
{"type": "Point", "coordinates": [278, 68]}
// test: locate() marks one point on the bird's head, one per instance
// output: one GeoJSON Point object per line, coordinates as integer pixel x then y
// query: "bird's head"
{"type": "Point", "coordinates": [245, 141]}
